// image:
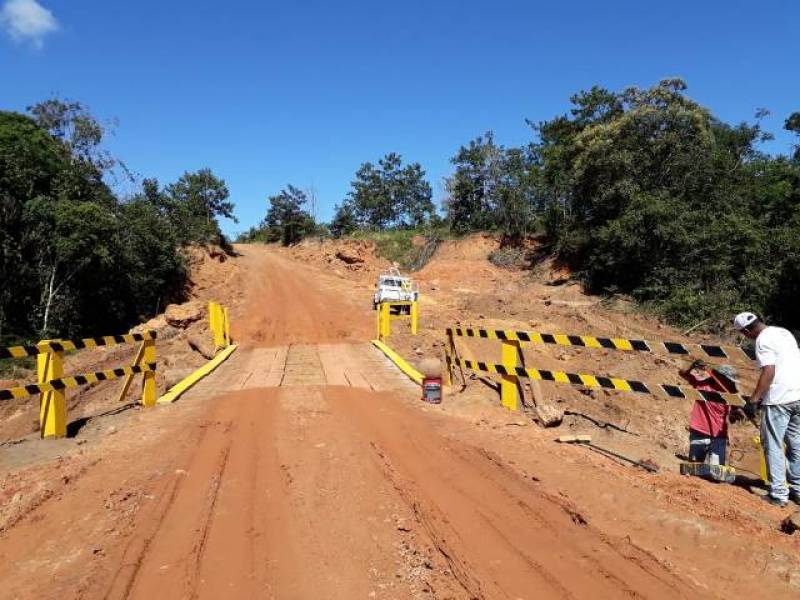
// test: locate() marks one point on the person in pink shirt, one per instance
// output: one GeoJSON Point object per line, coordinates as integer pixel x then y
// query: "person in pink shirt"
{"type": "Point", "coordinates": [708, 423]}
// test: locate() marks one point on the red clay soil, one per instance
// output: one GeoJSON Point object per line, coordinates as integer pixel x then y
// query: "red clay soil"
{"type": "Point", "coordinates": [286, 302]}
{"type": "Point", "coordinates": [323, 491]}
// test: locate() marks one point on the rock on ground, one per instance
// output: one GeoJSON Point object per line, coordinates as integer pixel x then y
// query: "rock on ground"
{"type": "Point", "coordinates": [183, 315]}
{"type": "Point", "coordinates": [201, 342]}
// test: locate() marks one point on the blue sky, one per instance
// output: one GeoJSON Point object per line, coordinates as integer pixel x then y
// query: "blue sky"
{"type": "Point", "coordinates": [269, 93]}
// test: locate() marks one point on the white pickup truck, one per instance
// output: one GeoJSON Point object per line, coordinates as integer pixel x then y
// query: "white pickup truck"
{"type": "Point", "coordinates": [394, 287]}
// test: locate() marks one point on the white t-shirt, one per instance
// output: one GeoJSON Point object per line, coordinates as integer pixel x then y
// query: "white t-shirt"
{"type": "Point", "coordinates": [777, 346]}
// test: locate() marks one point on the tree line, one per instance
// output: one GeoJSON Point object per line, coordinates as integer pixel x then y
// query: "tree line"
{"type": "Point", "coordinates": [76, 258]}
{"type": "Point", "coordinates": [639, 191]}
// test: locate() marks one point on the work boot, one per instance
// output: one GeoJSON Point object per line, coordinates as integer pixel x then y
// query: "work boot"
{"type": "Point", "coordinates": [775, 501]}
{"type": "Point", "coordinates": [795, 498]}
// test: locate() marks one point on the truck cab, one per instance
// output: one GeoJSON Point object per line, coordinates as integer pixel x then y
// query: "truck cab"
{"type": "Point", "coordinates": [394, 287]}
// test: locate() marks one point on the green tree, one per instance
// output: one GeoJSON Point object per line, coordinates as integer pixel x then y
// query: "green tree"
{"type": "Point", "coordinates": [649, 194]}
{"type": "Point", "coordinates": [32, 165]}
{"type": "Point", "coordinates": [390, 195]}
{"type": "Point", "coordinates": [73, 258]}
{"type": "Point", "coordinates": [195, 202]}
{"type": "Point", "coordinates": [472, 188]}
{"type": "Point", "coordinates": [793, 124]}
{"type": "Point", "coordinates": [287, 219]}
{"type": "Point", "coordinates": [492, 188]}
{"type": "Point", "coordinates": [344, 220]}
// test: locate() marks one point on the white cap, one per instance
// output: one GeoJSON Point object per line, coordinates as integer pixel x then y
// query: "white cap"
{"type": "Point", "coordinates": [744, 320]}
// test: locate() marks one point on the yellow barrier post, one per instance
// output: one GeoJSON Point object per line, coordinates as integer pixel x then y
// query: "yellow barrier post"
{"type": "Point", "coordinates": [508, 385]}
{"type": "Point", "coordinates": [213, 322]}
{"type": "Point", "coordinates": [414, 317]}
{"type": "Point", "coordinates": [227, 328]}
{"type": "Point", "coordinates": [385, 321]}
{"type": "Point", "coordinates": [52, 405]}
{"type": "Point", "coordinates": [149, 377]}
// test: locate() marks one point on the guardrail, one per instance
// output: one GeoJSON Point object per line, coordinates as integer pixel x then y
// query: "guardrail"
{"type": "Point", "coordinates": [51, 383]}
{"type": "Point", "coordinates": [511, 372]}
{"type": "Point", "coordinates": [407, 309]}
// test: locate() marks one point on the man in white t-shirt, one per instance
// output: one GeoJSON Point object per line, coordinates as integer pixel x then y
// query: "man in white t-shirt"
{"type": "Point", "coordinates": [778, 394]}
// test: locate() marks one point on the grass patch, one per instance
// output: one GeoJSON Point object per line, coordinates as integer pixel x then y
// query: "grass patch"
{"type": "Point", "coordinates": [16, 368]}
{"type": "Point", "coordinates": [398, 246]}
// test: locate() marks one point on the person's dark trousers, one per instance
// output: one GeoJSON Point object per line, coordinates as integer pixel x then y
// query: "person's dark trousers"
{"type": "Point", "coordinates": [700, 444]}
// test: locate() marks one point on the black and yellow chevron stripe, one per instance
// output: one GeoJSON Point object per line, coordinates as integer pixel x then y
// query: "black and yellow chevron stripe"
{"type": "Point", "coordinates": [588, 341]}
{"type": "Point", "coordinates": [69, 346]}
{"type": "Point", "coordinates": [597, 381]}
{"type": "Point", "coordinates": [73, 381]}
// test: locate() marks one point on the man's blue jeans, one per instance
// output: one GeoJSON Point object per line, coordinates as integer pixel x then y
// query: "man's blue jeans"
{"type": "Point", "coordinates": [701, 445]}
{"type": "Point", "coordinates": [781, 424]}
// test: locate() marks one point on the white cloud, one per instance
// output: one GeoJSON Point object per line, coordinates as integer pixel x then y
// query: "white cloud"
{"type": "Point", "coordinates": [27, 20]}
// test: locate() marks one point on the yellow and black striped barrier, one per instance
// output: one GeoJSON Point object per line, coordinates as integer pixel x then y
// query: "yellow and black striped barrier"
{"type": "Point", "coordinates": [587, 341]}
{"type": "Point", "coordinates": [72, 381]}
{"type": "Point", "coordinates": [70, 346]}
{"type": "Point", "coordinates": [51, 384]}
{"type": "Point", "coordinates": [596, 381]}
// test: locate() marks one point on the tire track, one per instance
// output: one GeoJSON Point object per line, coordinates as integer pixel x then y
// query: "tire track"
{"type": "Point", "coordinates": [501, 535]}
{"type": "Point", "coordinates": [192, 576]}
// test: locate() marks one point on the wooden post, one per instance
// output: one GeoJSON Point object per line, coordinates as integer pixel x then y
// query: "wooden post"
{"type": "Point", "coordinates": [52, 405]}
{"type": "Point", "coordinates": [448, 354]}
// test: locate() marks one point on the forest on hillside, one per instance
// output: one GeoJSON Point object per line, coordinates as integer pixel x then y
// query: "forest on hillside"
{"type": "Point", "coordinates": [76, 259]}
{"type": "Point", "coordinates": [642, 192]}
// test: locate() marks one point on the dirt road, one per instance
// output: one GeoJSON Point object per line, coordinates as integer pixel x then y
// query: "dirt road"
{"type": "Point", "coordinates": [307, 468]}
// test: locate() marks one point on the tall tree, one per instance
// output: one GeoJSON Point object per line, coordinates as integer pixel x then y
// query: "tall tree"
{"type": "Point", "coordinates": [390, 195]}
{"type": "Point", "coordinates": [344, 220]}
{"type": "Point", "coordinates": [287, 219]}
{"type": "Point", "coordinates": [472, 187]}
{"type": "Point", "coordinates": [793, 124]}
{"type": "Point", "coordinates": [491, 188]}
{"type": "Point", "coordinates": [196, 201]}
{"type": "Point", "coordinates": [74, 259]}
{"type": "Point", "coordinates": [659, 199]}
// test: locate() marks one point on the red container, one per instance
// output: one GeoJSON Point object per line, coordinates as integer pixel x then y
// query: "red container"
{"type": "Point", "coordinates": [432, 390]}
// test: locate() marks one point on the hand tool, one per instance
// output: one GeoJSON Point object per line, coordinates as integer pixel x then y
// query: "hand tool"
{"type": "Point", "coordinates": [586, 440]}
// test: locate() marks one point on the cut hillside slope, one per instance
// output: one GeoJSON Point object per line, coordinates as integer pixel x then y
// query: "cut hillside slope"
{"type": "Point", "coordinates": [460, 286]}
